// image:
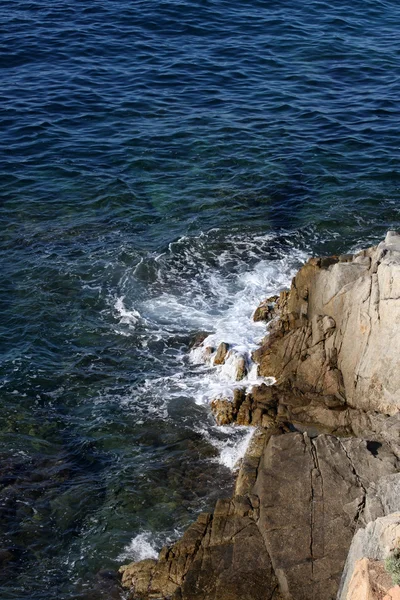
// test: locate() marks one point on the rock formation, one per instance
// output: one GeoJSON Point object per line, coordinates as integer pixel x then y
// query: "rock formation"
{"type": "Point", "coordinates": [337, 340]}
{"type": "Point", "coordinates": [324, 463]}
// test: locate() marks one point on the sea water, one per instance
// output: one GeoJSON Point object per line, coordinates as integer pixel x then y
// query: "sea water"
{"type": "Point", "coordinates": [165, 166]}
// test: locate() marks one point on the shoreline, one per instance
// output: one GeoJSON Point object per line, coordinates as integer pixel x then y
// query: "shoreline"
{"type": "Point", "coordinates": [327, 436]}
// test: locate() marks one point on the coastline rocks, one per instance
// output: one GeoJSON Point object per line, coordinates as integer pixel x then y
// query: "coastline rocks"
{"type": "Point", "coordinates": [221, 556]}
{"type": "Point", "coordinates": [321, 473]}
{"type": "Point", "coordinates": [297, 503]}
{"type": "Point", "coordinates": [337, 336]}
{"type": "Point", "coordinates": [258, 408]}
{"type": "Point", "coordinates": [266, 310]}
{"type": "Point", "coordinates": [233, 361]}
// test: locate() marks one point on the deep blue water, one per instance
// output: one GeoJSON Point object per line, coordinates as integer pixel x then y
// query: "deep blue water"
{"type": "Point", "coordinates": [162, 165]}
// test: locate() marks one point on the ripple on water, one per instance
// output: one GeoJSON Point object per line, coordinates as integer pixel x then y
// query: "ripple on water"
{"type": "Point", "coordinates": [165, 166]}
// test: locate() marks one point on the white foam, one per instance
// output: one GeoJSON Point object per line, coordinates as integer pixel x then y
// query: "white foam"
{"type": "Point", "coordinates": [231, 441]}
{"type": "Point", "coordinates": [139, 548]}
{"type": "Point", "coordinates": [127, 317]}
{"type": "Point", "coordinates": [236, 327]}
{"type": "Point", "coordinates": [232, 454]}
{"type": "Point", "coordinates": [196, 287]}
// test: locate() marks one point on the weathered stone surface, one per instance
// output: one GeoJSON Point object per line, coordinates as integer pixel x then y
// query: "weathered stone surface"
{"type": "Point", "coordinates": [257, 408]}
{"type": "Point", "coordinates": [266, 310]}
{"type": "Point", "coordinates": [233, 562]}
{"type": "Point", "coordinates": [375, 541]}
{"type": "Point", "coordinates": [249, 468]}
{"type": "Point", "coordinates": [383, 497]}
{"type": "Point", "coordinates": [241, 368]}
{"type": "Point", "coordinates": [298, 502]}
{"type": "Point", "coordinates": [370, 581]}
{"type": "Point", "coordinates": [221, 557]}
{"type": "Point", "coordinates": [223, 410]}
{"type": "Point", "coordinates": [312, 493]}
{"type": "Point", "coordinates": [338, 332]}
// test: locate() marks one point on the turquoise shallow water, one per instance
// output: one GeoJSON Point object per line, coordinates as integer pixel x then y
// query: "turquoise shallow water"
{"type": "Point", "coordinates": [163, 165]}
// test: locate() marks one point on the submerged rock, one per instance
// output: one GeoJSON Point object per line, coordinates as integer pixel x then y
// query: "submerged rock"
{"type": "Point", "coordinates": [198, 338]}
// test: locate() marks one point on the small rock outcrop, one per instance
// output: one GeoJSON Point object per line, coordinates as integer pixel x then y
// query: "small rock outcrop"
{"type": "Point", "coordinates": [371, 581]}
{"type": "Point", "coordinates": [266, 310]}
{"type": "Point", "coordinates": [221, 353]}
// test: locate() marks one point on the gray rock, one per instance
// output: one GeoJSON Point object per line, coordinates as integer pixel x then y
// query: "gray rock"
{"type": "Point", "coordinates": [383, 497]}
{"type": "Point", "coordinates": [375, 542]}
{"type": "Point", "coordinates": [312, 494]}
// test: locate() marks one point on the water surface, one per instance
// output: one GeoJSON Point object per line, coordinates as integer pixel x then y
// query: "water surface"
{"type": "Point", "coordinates": [164, 166]}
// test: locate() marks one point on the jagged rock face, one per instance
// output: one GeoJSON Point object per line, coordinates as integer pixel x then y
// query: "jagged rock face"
{"type": "Point", "coordinates": [291, 522]}
{"type": "Point", "coordinates": [256, 408]}
{"type": "Point", "coordinates": [266, 310]}
{"type": "Point", "coordinates": [220, 557]}
{"type": "Point", "coordinates": [337, 337]}
{"type": "Point", "coordinates": [312, 494]}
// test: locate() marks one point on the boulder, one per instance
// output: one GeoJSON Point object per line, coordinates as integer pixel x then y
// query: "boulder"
{"type": "Point", "coordinates": [221, 354]}
{"type": "Point", "coordinates": [223, 410]}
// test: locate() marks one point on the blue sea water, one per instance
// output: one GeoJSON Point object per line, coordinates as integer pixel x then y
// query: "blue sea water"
{"type": "Point", "coordinates": [164, 166]}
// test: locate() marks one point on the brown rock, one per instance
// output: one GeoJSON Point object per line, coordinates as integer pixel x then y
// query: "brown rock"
{"type": "Point", "coordinates": [312, 493]}
{"type": "Point", "coordinates": [369, 581]}
{"type": "Point", "coordinates": [222, 557]}
{"type": "Point", "coordinates": [241, 368]}
{"type": "Point", "coordinates": [291, 521]}
{"type": "Point", "coordinates": [223, 410]}
{"type": "Point", "coordinates": [266, 310]}
{"type": "Point", "coordinates": [222, 351]}
{"type": "Point", "coordinates": [239, 395]}
{"type": "Point", "coordinates": [199, 338]}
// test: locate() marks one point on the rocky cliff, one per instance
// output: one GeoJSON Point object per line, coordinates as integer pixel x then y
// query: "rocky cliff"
{"type": "Point", "coordinates": [324, 463]}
